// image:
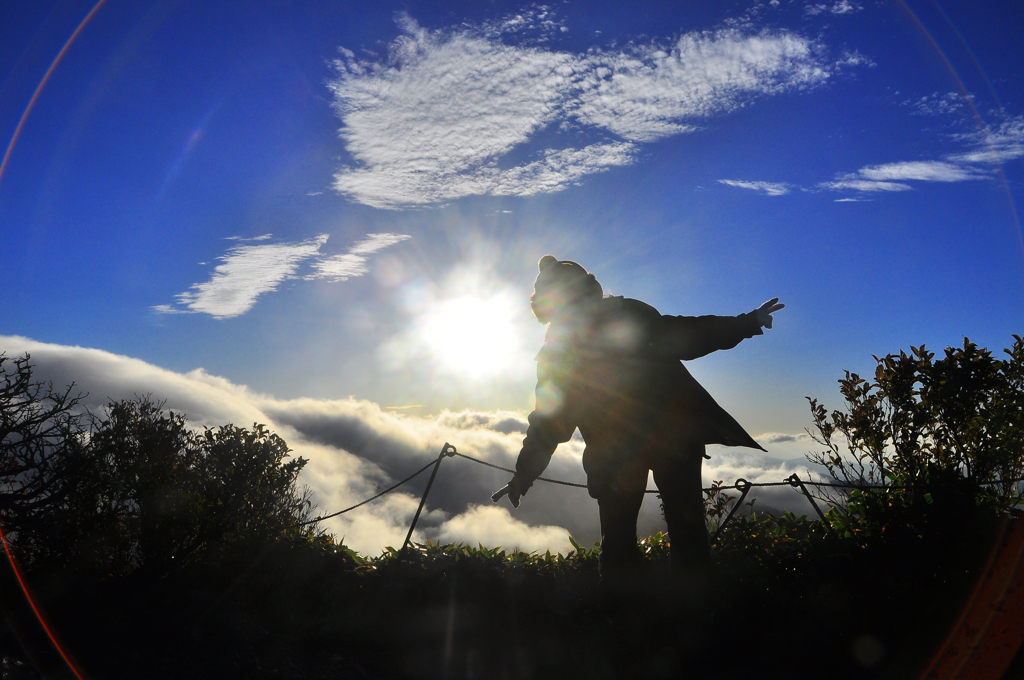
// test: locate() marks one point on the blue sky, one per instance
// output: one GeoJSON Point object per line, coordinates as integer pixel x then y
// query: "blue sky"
{"type": "Point", "coordinates": [328, 204]}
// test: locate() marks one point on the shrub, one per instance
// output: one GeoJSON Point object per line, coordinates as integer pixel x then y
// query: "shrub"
{"type": "Point", "coordinates": [934, 440]}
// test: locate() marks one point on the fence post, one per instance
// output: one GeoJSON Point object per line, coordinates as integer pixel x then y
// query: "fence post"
{"type": "Point", "coordinates": [744, 486]}
{"type": "Point", "coordinates": [446, 450]}
{"type": "Point", "coordinates": [795, 481]}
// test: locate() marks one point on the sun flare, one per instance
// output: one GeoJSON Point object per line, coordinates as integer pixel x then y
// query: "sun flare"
{"type": "Point", "coordinates": [471, 335]}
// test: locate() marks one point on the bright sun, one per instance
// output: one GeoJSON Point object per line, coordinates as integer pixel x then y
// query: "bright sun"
{"type": "Point", "coordinates": [473, 336]}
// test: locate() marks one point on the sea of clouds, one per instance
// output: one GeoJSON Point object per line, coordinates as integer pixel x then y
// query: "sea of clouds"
{"type": "Point", "coordinates": [355, 449]}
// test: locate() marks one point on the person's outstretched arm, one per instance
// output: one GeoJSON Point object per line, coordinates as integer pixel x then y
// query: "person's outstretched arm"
{"type": "Point", "coordinates": [550, 425]}
{"type": "Point", "coordinates": [691, 337]}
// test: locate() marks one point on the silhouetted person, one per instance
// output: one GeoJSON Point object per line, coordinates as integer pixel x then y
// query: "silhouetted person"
{"type": "Point", "coordinates": [611, 367]}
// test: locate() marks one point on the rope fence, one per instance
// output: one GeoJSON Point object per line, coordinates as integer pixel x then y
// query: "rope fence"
{"type": "Point", "coordinates": [741, 485]}
{"type": "Point", "coordinates": [371, 498]}
{"type": "Point", "coordinates": [540, 479]}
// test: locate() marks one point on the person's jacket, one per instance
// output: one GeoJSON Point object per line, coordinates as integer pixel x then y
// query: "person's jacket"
{"type": "Point", "coordinates": [618, 378]}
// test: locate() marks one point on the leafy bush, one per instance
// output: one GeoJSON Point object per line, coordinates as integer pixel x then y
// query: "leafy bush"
{"type": "Point", "coordinates": [151, 493]}
{"type": "Point", "coordinates": [935, 440]}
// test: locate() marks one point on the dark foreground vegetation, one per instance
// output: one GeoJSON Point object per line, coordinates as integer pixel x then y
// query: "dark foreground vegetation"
{"type": "Point", "coordinates": [156, 551]}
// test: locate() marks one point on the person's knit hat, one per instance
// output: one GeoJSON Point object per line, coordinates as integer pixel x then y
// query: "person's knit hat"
{"type": "Point", "coordinates": [559, 283]}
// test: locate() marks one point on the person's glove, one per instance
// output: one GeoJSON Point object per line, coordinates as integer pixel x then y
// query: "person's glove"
{"type": "Point", "coordinates": [514, 490]}
{"type": "Point", "coordinates": [765, 311]}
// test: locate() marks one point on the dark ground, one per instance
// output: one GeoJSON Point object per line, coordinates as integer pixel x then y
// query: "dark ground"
{"type": "Point", "coordinates": [803, 606]}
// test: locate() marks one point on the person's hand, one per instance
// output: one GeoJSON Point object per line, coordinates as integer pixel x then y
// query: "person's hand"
{"type": "Point", "coordinates": [765, 311]}
{"type": "Point", "coordinates": [512, 490]}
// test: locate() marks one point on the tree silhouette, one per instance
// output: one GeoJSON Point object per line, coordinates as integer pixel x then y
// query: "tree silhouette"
{"type": "Point", "coordinates": [42, 443]}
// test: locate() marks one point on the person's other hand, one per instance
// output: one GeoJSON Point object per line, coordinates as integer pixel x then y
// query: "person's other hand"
{"type": "Point", "coordinates": [765, 311]}
{"type": "Point", "coordinates": [512, 490]}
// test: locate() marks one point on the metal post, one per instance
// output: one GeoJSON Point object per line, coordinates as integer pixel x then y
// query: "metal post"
{"type": "Point", "coordinates": [744, 486]}
{"type": "Point", "coordinates": [795, 481]}
{"type": "Point", "coordinates": [446, 450]}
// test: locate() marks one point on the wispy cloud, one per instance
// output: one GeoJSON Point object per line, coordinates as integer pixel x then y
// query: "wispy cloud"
{"type": "Point", "coordinates": [264, 237]}
{"type": "Point", "coordinates": [439, 117]}
{"type": "Point", "coordinates": [892, 176]}
{"type": "Point", "coordinates": [999, 144]}
{"type": "Point", "coordinates": [656, 90]}
{"type": "Point", "coordinates": [353, 263]}
{"type": "Point", "coordinates": [784, 438]}
{"type": "Point", "coordinates": [355, 449]}
{"type": "Point", "coordinates": [936, 104]}
{"type": "Point", "coordinates": [985, 150]}
{"type": "Point", "coordinates": [248, 271]}
{"type": "Point", "coordinates": [865, 185]}
{"type": "Point", "coordinates": [245, 273]}
{"type": "Point", "coordinates": [767, 188]}
{"type": "Point", "coordinates": [987, 147]}
{"type": "Point", "coordinates": [844, 7]}
{"type": "Point", "coordinates": [924, 171]}
{"type": "Point", "coordinates": [839, 7]}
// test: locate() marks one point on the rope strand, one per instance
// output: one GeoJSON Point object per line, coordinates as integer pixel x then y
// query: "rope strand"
{"type": "Point", "coordinates": [505, 469]}
{"type": "Point", "coordinates": [741, 485]}
{"type": "Point", "coordinates": [358, 505]}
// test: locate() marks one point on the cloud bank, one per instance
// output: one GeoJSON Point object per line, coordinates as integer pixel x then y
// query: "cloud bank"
{"type": "Point", "coordinates": [248, 271]}
{"type": "Point", "coordinates": [355, 449]}
{"type": "Point", "coordinates": [450, 113]}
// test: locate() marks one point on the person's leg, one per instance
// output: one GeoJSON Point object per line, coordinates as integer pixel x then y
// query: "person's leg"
{"type": "Point", "coordinates": [689, 612]}
{"type": "Point", "coordinates": [679, 483]}
{"type": "Point", "coordinates": [619, 507]}
{"type": "Point", "coordinates": [624, 586]}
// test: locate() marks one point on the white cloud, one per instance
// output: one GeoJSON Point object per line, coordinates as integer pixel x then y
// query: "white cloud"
{"type": "Point", "coordinates": [855, 58]}
{"type": "Point", "coordinates": [355, 449]}
{"type": "Point", "coordinates": [353, 263]}
{"type": "Point", "coordinates": [925, 171]}
{"type": "Point", "coordinates": [891, 176]}
{"type": "Point", "coordinates": [994, 145]}
{"type": "Point", "coordinates": [652, 90]}
{"type": "Point", "coordinates": [264, 237]}
{"type": "Point", "coordinates": [438, 119]}
{"type": "Point", "coordinates": [865, 185]}
{"type": "Point", "coordinates": [493, 526]}
{"type": "Point", "coordinates": [840, 7]}
{"type": "Point", "coordinates": [783, 438]}
{"type": "Point", "coordinates": [340, 267]}
{"type": "Point", "coordinates": [988, 147]}
{"type": "Point", "coordinates": [246, 272]}
{"type": "Point", "coordinates": [167, 309]}
{"type": "Point", "coordinates": [936, 104]}
{"type": "Point", "coordinates": [401, 184]}
{"type": "Point", "coordinates": [768, 188]}
{"type": "Point", "coordinates": [374, 242]}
